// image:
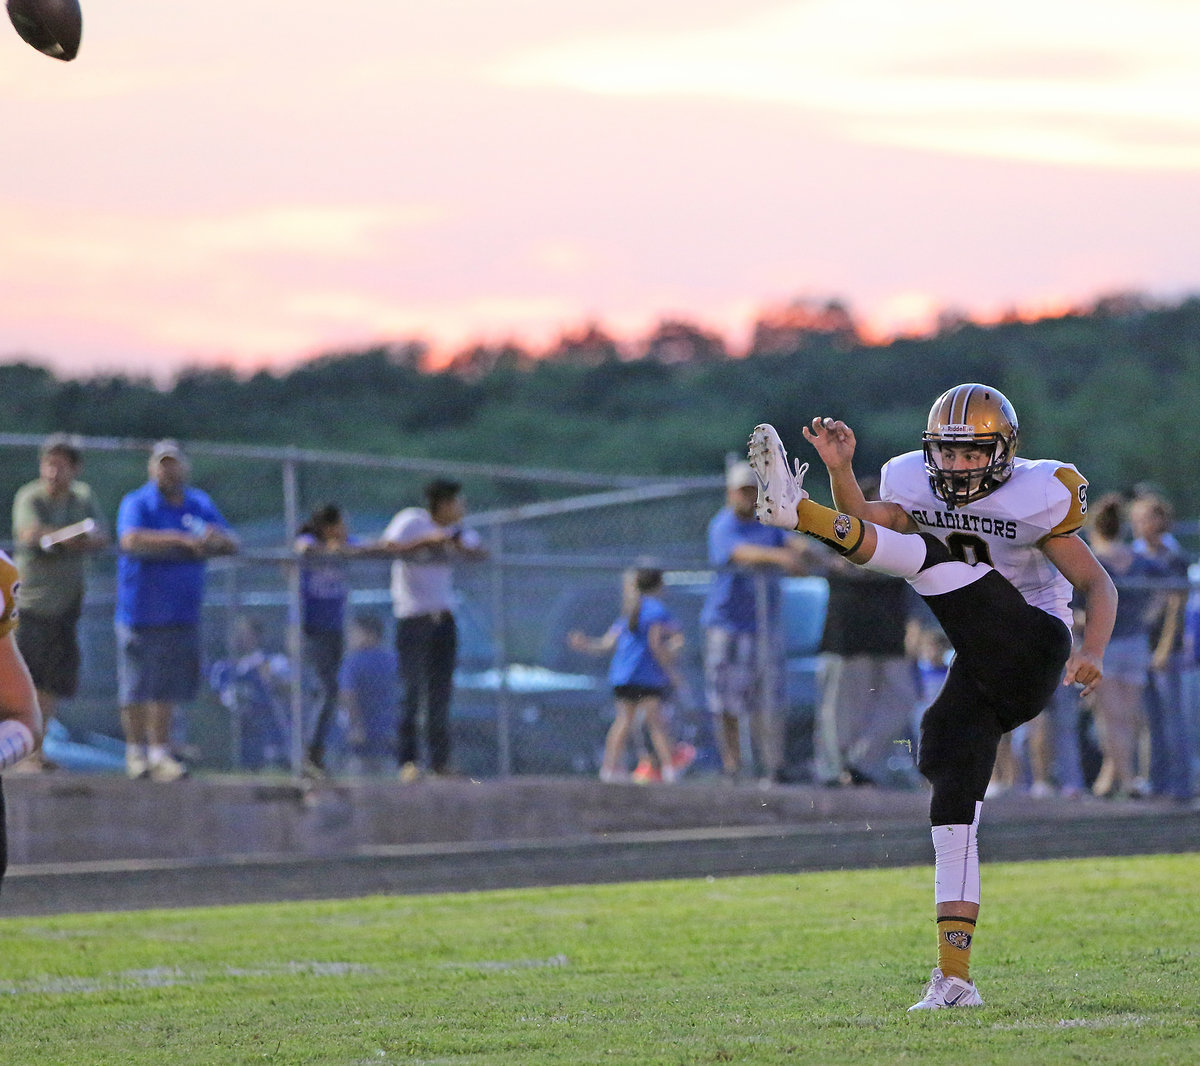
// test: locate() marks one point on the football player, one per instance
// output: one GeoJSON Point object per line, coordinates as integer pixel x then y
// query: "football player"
{"type": "Point", "coordinates": [989, 541]}
{"type": "Point", "coordinates": [20, 716]}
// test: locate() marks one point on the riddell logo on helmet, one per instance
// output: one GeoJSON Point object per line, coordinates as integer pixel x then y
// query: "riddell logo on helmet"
{"type": "Point", "coordinates": [957, 431]}
{"type": "Point", "coordinates": [841, 526]}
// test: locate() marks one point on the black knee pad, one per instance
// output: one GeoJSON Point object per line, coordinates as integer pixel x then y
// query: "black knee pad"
{"type": "Point", "coordinates": [953, 801]}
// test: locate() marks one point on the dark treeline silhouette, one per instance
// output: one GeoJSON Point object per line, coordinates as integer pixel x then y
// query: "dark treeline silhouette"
{"type": "Point", "coordinates": [1114, 386]}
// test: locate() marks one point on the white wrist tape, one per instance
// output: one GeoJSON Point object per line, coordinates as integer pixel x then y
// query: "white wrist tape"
{"type": "Point", "coordinates": [16, 742]}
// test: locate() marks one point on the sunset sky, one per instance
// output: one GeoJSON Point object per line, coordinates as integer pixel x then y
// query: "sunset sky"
{"type": "Point", "coordinates": [252, 184]}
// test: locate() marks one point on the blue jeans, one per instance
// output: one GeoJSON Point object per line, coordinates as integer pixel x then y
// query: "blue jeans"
{"type": "Point", "coordinates": [323, 650]}
{"type": "Point", "coordinates": [1169, 720]}
{"type": "Point", "coordinates": [1063, 723]}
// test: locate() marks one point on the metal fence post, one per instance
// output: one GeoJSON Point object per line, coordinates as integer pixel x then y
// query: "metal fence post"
{"type": "Point", "coordinates": [500, 654]}
{"type": "Point", "coordinates": [295, 637]}
{"type": "Point", "coordinates": [232, 609]}
{"type": "Point", "coordinates": [767, 680]}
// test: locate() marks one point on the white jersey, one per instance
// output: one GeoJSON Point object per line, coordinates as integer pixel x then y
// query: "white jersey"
{"type": "Point", "coordinates": [1043, 498]}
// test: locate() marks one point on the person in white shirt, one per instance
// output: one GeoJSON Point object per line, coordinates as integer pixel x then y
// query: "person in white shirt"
{"type": "Point", "coordinates": [426, 542]}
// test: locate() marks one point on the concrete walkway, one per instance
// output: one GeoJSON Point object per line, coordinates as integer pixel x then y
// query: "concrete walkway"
{"type": "Point", "coordinates": [81, 843]}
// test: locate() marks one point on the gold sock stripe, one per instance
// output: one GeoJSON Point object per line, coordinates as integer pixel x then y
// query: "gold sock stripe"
{"type": "Point", "coordinates": [955, 918]}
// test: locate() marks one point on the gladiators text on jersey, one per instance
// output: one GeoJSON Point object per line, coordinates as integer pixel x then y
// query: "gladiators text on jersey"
{"type": "Point", "coordinates": [956, 520]}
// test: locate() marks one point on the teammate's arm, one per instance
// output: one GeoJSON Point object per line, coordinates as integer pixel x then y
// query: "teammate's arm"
{"type": "Point", "coordinates": [1075, 561]}
{"type": "Point", "coordinates": [835, 444]}
{"type": "Point", "coordinates": [20, 715]}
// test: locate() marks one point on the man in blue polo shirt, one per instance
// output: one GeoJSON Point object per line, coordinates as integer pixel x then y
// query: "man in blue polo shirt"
{"type": "Point", "coordinates": [166, 530]}
{"type": "Point", "coordinates": [743, 645]}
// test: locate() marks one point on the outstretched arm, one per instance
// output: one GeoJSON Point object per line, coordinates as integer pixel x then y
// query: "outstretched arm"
{"type": "Point", "coordinates": [579, 641]}
{"type": "Point", "coordinates": [789, 558]}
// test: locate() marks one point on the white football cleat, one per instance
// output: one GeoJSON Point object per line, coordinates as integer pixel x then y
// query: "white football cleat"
{"type": "Point", "coordinates": [780, 487]}
{"type": "Point", "coordinates": [945, 991]}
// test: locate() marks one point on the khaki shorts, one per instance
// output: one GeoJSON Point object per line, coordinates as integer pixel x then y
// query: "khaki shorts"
{"type": "Point", "coordinates": [739, 675]}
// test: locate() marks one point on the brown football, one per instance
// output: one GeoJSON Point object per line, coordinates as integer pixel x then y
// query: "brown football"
{"type": "Point", "coordinates": [53, 27]}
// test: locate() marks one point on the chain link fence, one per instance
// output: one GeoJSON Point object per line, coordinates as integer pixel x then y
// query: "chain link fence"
{"type": "Point", "coordinates": [558, 543]}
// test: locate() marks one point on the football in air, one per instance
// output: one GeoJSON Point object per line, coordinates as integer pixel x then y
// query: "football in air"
{"type": "Point", "coordinates": [53, 27]}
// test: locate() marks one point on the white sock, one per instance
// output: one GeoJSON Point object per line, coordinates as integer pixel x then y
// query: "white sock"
{"type": "Point", "coordinates": [956, 862]}
{"type": "Point", "coordinates": [898, 554]}
{"type": "Point", "coordinates": [155, 753]}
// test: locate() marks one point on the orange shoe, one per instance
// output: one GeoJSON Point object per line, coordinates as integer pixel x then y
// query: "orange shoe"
{"type": "Point", "coordinates": [646, 772]}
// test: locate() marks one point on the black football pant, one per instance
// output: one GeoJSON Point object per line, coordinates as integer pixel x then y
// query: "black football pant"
{"type": "Point", "coordinates": [1008, 660]}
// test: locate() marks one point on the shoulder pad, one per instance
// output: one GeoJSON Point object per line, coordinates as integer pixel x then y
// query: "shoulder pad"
{"type": "Point", "coordinates": [1076, 485]}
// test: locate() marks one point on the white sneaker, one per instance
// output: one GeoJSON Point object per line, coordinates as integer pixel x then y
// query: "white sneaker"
{"type": "Point", "coordinates": [166, 768]}
{"type": "Point", "coordinates": [945, 991]}
{"type": "Point", "coordinates": [780, 487]}
{"type": "Point", "coordinates": [136, 766]}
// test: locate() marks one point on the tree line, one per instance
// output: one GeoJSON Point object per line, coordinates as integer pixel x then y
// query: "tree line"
{"type": "Point", "coordinates": [1112, 388]}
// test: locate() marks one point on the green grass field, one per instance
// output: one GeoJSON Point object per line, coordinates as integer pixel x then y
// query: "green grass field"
{"type": "Point", "coordinates": [1091, 961]}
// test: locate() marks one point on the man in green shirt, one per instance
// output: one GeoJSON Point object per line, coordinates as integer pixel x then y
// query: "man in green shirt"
{"type": "Point", "coordinates": [56, 525]}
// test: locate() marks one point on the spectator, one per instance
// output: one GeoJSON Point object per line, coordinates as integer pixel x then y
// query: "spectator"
{"type": "Point", "coordinates": [645, 641]}
{"type": "Point", "coordinates": [56, 523]}
{"type": "Point", "coordinates": [1167, 715]}
{"type": "Point", "coordinates": [743, 639]}
{"type": "Point", "coordinates": [368, 694]}
{"type": "Point", "coordinates": [20, 717]}
{"type": "Point", "coordinates": [1118, 705]}
{"type": "Point", "coordinates": [868, 689]}
{"type": "Point", "coordinates": [323, 543]}
{"type": "Point", "coordinates": [1063, 722]}
{"type": "Point", "coordinates": [166, 530]}
{"type": "Point", "coordinates": [254, 685]}
{"type": "Point", "coordinates": [1048, 752]}
{"type": "Point", "coordinates": [425, 543]}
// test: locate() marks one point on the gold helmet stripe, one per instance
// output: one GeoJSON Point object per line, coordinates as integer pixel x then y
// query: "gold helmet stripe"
{"type": "Point", "coordinates": [958, 414]}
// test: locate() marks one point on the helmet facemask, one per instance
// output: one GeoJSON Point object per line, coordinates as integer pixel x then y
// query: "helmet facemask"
{"type": "Point", "coordinates": [958, 487]}
{"type": "Point", "coordinates": [970, 416]}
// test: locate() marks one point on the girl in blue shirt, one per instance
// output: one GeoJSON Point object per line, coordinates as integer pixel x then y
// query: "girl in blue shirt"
{"type": "Point", "coordinates": [324, 543]}
{"type": "Point", "coordinates": [644, 641]}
